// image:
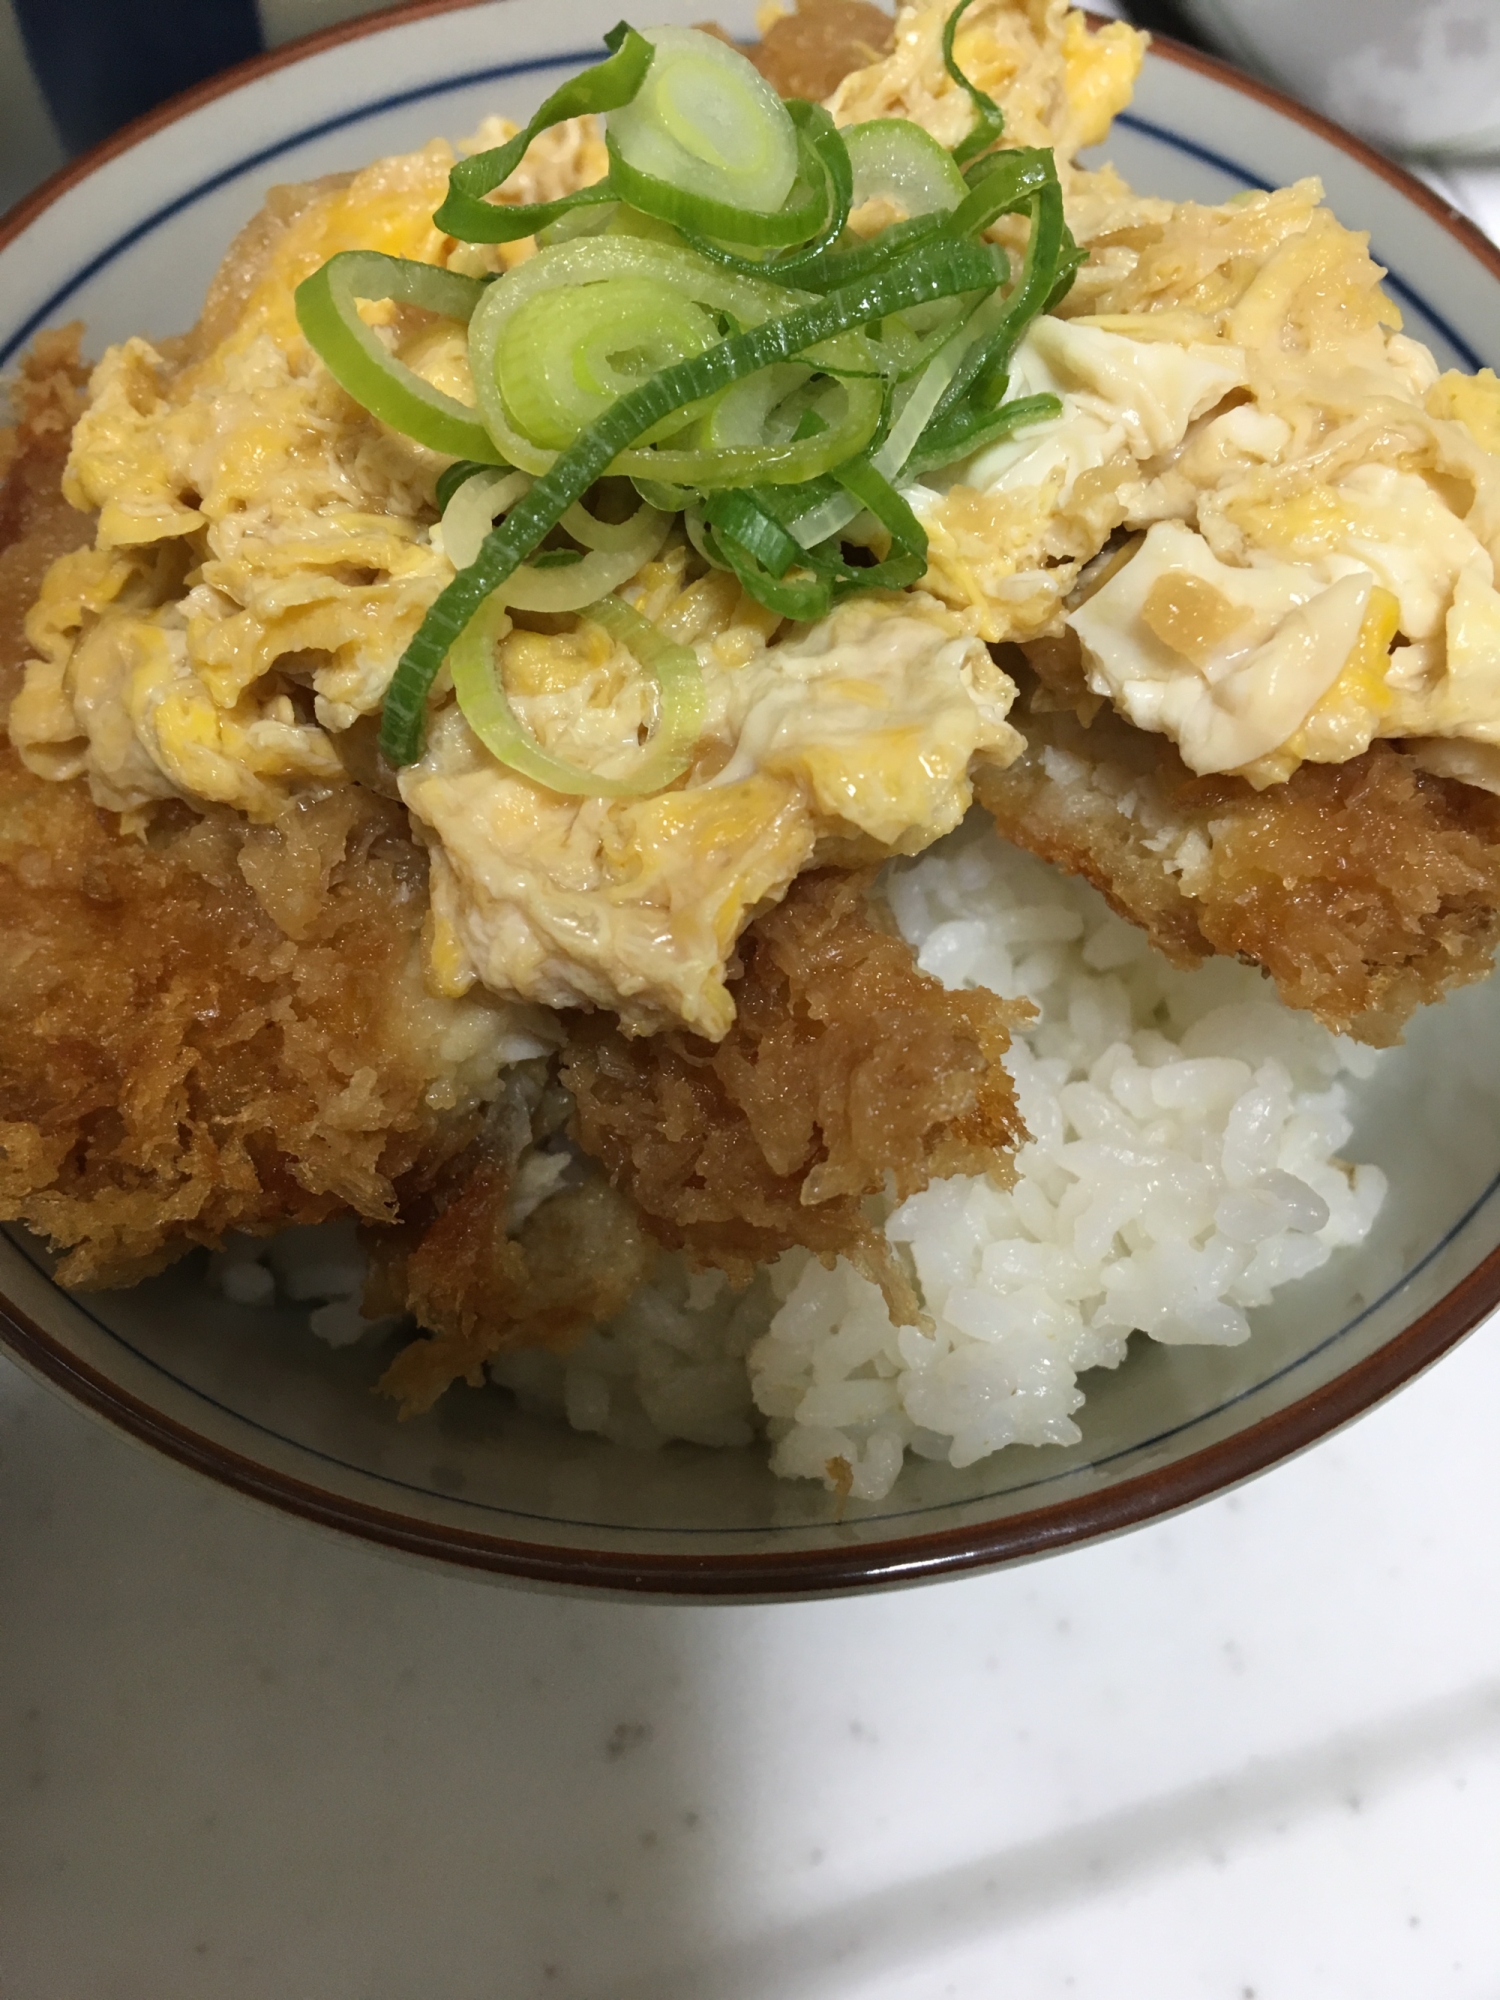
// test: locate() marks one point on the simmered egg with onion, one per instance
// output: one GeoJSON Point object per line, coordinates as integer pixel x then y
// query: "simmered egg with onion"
{"type": "Point", "coordinates": [1008, 527]}
{"type": "Point", "coordinates": [849, 742]}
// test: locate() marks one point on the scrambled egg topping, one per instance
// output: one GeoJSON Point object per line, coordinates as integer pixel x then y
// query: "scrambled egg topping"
{"type": "Point", "coordinates": [1008, 531]}
{"type": "Point", "coordinates": [1060, 83]}
{"type": "Point", "coordinates": [1302, 517]}
{"type": "Point", "coordinates": [261, 556]}
{"type": "Point", "coordinates": [265, 551]}
{"type": "Point", "coordinates": [852, 740]}
{"type": "Point", "coordinates": [1268, 524]}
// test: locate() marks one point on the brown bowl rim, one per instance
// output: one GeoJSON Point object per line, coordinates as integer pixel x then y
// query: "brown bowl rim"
{"type": "Point", "coordinates": [790, 1573]}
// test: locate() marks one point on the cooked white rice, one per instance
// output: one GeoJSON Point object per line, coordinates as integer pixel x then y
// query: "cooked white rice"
{"type": "Point", "coordinates": [1183, 1163]}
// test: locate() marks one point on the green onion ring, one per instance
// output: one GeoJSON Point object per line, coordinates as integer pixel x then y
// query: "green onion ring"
{"type": "Point", "coordinates": [817, 131]}
{"type": "Point", "coordinates": [939, 271]}
{"type": "Point", "coordinates": [963, 440]}
{"type": "Point", "coordinates": [488, 712]}
{"type": "Point", "coordinates": [897, 160]}
{"type": "Point", "coordinates": [592, 259]}
{"type": "Point", "coordinates": [360, 362]}
{"type": "Point", "coordinates": [989, 119]}
{"type": "Point", "coordinates": [804, 213]}
{"type": "Point", "coordinates": [465, 213]}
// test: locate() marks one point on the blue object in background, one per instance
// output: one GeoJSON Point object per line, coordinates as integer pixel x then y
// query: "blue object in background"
{"type": "Point", "coordinates": [102, 62]}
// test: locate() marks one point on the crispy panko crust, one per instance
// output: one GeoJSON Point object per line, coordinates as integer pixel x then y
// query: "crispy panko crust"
{"type": "Point", "coordinates": [175, 1062]}
{"type": "Point", "coordinates": [572, 1263]}
{"type": "Point", "coordinates": [810, 51]}
{"type": "Point", "coordinates": [847, 1071]}
{"type": "Point", "coordinates": [1363, 889]}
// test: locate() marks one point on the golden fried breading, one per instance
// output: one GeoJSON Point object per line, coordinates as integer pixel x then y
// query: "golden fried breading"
{"type": "Point", "coordinates": [205, 1027]}
{"type": "Point", "coordinates": [847, 1070]}
{"type": "Point", "coordinates": [481, 1289]}
{"type": "Point", "coordinates": [36, 524]}
{"type": "Point", "coordinates": [808, 53]}
{"type": "Point", "coordinates": [1364, 889]}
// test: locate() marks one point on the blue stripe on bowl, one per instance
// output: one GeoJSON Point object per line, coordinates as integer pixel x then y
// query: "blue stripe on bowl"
{"type": "Point", "coordinates": [571, 60]}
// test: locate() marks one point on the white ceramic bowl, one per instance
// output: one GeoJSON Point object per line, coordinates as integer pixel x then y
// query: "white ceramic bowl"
{"type": "Point", "coordinates": [127, 239]}
{"type": "Point", "coordinates": [1420, 76]}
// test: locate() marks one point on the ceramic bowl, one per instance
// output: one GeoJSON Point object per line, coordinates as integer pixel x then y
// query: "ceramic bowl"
{"type": "Point", "coordinates": [1420, 76]}
{"type": "Point", "coordinates": [127, 239]}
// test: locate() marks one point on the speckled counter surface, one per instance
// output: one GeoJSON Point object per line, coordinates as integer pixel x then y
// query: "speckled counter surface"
{"type": "Point", "coordinates": [1252, 1751]}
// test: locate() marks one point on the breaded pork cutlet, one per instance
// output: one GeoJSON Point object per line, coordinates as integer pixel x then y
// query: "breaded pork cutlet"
{"type": "Point", "coordinates": [209, 1026]}
{"type": "Point", "coordinates": [204, 1026]}
{"type": "Point", "coordinates": [847, 1072]}
{"type": "Point", "coordinates": [1364, 889]}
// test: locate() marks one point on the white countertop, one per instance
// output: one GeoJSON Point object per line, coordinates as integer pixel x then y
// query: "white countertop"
{"type": "Point", "coordinates": [1249, 1754]}
{"type": "Point", "coordinates": [1252, 1751]}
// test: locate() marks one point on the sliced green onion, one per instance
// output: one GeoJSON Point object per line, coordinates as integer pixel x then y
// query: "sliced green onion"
{"type": "Point", "coordinates": [567, 353]}
{"type": "Point", "coordinates": [817, 132]}
{"type": "Point", "coordinates": [999, 324]}
{"type": "Point", "coordinates": [471, 509]}
{"type": "Point", "coordinates": [830, 270]}
{"type": "Point", "coordinates": [768, 405]}
{"type": "Point", "coordinates": [851, 415]}
{"type": "Point", "coordinates": [938, 271]}
{"type": "Point", "coordinates": [832, 512]}
{"type": "Point", "coordinates": [828, 514]}
{"type": "Point", "coordinates": [896, 160]}
{"type": "Point", "coordinates": [607, 86]}
{"type": "Point", "coordinates": [989, 119]}
{"type": "Point", "coordinates": [657, 493]}
{"type": "Point", "coordinates": [972, 432]}
{"type": "Point", "coordinates": [705, 122]}
{"type": "Point", "coordinates": [683, 282]}
{"type": "Point", "coordinates": [360, 362]}
{"type": "Point", "coordinates": [616, 536]}
{"type": "Point", "coordinates": [926, 392]}
{"type": "Point", "coordinates": [698, 215]}
{"type": "Point", "coordinates": [699, 219]}
{"type": "Point", "coordinates": [565, 580]}
{"type": "Point", "coordinates": [592, 219]}
{"type": "Point", "coordinates": [449, 481]}
{"type": "Point", "coordinates": [907, 561]}
{"type": "Point", "coordinates": [556, 579]}
{"type": "Point", "coordinates": [489, 714]}
{"type": "Point", "coordinates": [741, 517]}
{"type": "Point", "coordinates": [820, 147]}
{"type": "Point", "coordinates": [804, 598]}
{"type": "Point", "coordinates": [1002, 184]}
{"type": "Point", "coordinates": [748, 537]}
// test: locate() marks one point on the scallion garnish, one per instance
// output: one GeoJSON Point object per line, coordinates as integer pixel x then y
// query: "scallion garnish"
{"type": "Point", "coordinates": [989, 119]}
{"type": "Point", "coordinates": [466, 213]}
{"type": "Point", "coordinates": [359, 360]}
{"type": "Point", "coordinates": [713, 331]}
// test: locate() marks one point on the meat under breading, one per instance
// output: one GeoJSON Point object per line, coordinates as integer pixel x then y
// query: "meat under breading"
{"type": "Point", "coordinates": [847, 1071]}
{"type": "Point", "coordinates": [810, 51]}
{"type": "Point", "coordinates": [481, 1283]}
{"type": "Point", "coordinates": [1363, 889]}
